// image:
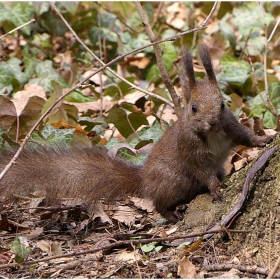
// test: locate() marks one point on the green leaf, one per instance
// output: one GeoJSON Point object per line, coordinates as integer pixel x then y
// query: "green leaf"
{"type": "Point", "coordinates": [7, 80]}
{"type": "Point", "coordinates": [21, 14]}
{"type": "Point", "coordinates": [58, 137]}
{"type": "Point", "coordinates": [5, 139]}
{"type": "Point", "coordinates": [21, 251]}
{"type": "Point", "coordinates": [146, 248]}
{"type": "Point", "coordinates": [170, 54]}
{"type": "Point", "coordinates": [255, 45]}
{"type": "Point", "coordinates": [152, 133]}
{"type": "Point", "coordinates": [227, 31]}
{"type": "Point", "coordinates": [128, 155]}
{"type": "Point", "coordinates": [234, 71]}
{"type": "Point", "coordinates": [79, 97]}
{"type": "Point", "coordinates": [123, 122]}
{"type": "Point", "coordinates": [41, 7]}
{"type": "Point", "coordinates": [141, 40]}
{"type": "Point", "coordinates": [158, 248]}
{"type": "Point", "coordinates": [261, 111]}
{"type": "Point", "coordinates": [250, 18]}
{"type": "Point", "coordinates": [45, 75]}
{"type": "Point", "coordinates": [13, 66]}
{"type": "Point", "coordinates": [101, 33]}
{"type": "Point", "coordinates": [71, 7]}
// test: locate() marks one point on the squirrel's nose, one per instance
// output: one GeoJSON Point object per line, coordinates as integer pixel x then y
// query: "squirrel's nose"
{"type": "Point", "coordinates": [212, 122]}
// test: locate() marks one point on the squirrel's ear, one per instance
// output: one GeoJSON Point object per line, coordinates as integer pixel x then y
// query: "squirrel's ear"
{"type": "Point", "coordinates": [187, 77]}
{"type": "Point", "coordinates": [204, 56]}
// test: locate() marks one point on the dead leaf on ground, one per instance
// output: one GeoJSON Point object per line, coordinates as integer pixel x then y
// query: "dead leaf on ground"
{"type": "Point", "coordinates": [34, 233]}
{"type": "Point", "coordinates": [143, 204]}
{"type": "Point", "coordinates": [125, 214]}
{"type": "Point", "coordinates": [21, 98]}
{"type": "Point", "coordinates": [232, 274]}
{"type": "Point", "coordinates": [129, 257]}
{"type": "Point", "coordinates": [186, 268]}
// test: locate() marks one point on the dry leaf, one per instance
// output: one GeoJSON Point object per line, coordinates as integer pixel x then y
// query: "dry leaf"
{"type": "Point", "coordinates": [124, 214]}
{"type": "Point", "coordinates": [34, 233]}
{"type": "Point", "coordinates": [232, 274]}
{"type": "Point", "coordinates": [186, 269]}
{"type": "Point", "coordinates": [143, 203]}
{"type": "Point", "coordinates": [44, 246]}
{"type": "Point", "coordinates": [129, 257]}
{"type": "Point", "coordinates": [240, 163]}
{"type": "Point", "coordinates": [56, 248]}
{"type": "Point", "coordinates": [21, 98]}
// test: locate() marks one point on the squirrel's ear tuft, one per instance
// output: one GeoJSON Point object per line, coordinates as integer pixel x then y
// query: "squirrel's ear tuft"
{"type": "Point", "coordinates": [203, 54]}
{"type": "Point", "coordinates": [187, 77]}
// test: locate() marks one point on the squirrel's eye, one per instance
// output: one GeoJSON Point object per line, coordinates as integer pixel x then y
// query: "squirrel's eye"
{"type": "Point", "coordinates": [194, 109]}
{"type": "Point", "coordinates": [222, 105]}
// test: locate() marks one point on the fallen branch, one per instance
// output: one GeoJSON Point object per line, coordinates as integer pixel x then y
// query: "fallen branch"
{"type": "Point", "coordinates": [226, 267]}
{"type": "Point", "coordinates": [117, 244]}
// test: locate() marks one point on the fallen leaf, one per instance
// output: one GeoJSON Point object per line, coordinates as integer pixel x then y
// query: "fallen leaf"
{"type": "Point", "coordinates": [186, 268]}
{"type": "Point", "coordinates": [129, 257]}
{"type": "Point", "coordinates": [124, 214]}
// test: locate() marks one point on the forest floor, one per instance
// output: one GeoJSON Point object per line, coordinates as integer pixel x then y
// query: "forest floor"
{"type": "Point", "coordinates": [65, 242]}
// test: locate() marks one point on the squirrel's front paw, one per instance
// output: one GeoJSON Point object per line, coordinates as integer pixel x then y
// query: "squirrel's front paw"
{"type": "Point", "coordinates": [266, 139]}
{"type": "Point", "coordinates": [216, 194]}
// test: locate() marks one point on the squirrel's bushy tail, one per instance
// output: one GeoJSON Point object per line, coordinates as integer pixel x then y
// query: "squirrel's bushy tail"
{"type": "Point", "coordinates": [87, 173]}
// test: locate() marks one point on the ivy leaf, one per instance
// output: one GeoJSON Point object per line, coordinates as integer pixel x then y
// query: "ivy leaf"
{"type": "Point", "coordinates": [45, 75]}
{"type": "Point", "coordinates": [19, 14]}
{"type": "Point", "coordinates": [250, 18]}
{"type": "Point", "coordinates": [21, 251]}
{"type": "Point", "coordinates": [123, 121]}
{"type": "Point", "coordinates": [151, 133]}
{"type": "Point", "coordinates": [261, 111]}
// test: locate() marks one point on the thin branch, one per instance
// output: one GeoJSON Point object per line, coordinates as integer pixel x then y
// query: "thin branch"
{"type": "Point", "coordinates": [256, 87]}
{"type": "Point", "coordinates": [274, 269]}
{"type": "Point", "coordinates": [273, 31]}
{"type": "Point", "coordinates": [272, 108]}
{"type": "Point", "coordinates": [158, 54]}
{"type": "Point", "coordinates": [133, 86]}
{"type": "Point", "coordinates": [117, 244]}
{"type": "Point", "coordinates": [15, 29]}
{"type": "Point", "coordinates": [100, 51]}
{"type": "Point", "coordinates": [158, 12]}
{"type": "Point", "coordinates": [228, 266]}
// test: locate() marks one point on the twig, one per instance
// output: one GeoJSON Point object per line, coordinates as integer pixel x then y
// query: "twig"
{"type": "Point", "coordinates": [255, 168]}
{"type": "Point", "coordinates": [273, 31]}
{"type": "Point", "coordinates": [158, 12]}
{"type": "Point", "coordinates": [133, 86]}
{"type": "Point", "coordinates": [100, 51]}
{"type": "Point", "coordinates": [274, 269]}
{"type": "Point", "coordinates": [158, 54]}
{"type": "Point", "coordinates": [15, 29]}
{"type": "Point", "coordinates": [256, 87]}
{"type": "Point", "coordinates": [116, 244]}
{"type": "Point", "coordinates": [272, 108]}
{"type": "Point", "coordinates": [219, 267]}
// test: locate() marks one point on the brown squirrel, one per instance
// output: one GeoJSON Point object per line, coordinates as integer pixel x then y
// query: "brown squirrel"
{"type": "Point", "coordinates": [185, 162]}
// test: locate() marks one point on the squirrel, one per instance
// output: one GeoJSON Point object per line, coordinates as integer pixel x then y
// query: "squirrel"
{"type": "Point", "coordinates": [188, 160]}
